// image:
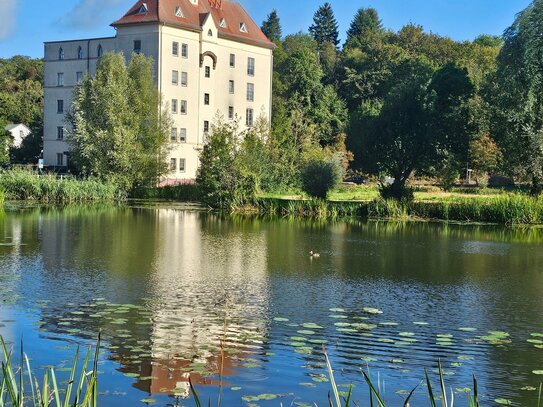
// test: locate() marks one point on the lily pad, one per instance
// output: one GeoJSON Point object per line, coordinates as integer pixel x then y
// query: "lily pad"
{"type": "Point", "coordinates": [279, 319]}
{"type": "Point", "coordinates": [306, 332]}
{"type": "Point", "coordinates": [373, 311]}
{"type": "Point", "coordinates": [311, 325]}
{"type": "Point", "coordinates": [503, 402]}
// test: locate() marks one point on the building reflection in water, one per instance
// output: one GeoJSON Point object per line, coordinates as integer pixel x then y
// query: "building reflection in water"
{"type": "Point", "coordinates": [194, 281]}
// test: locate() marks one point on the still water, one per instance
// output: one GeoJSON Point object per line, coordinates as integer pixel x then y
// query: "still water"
{"type": "Point", "coordinates": [167, 285]}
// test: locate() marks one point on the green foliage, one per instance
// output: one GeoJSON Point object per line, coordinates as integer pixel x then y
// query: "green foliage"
{"type": "Point", "coordinates": [485, 156]}
{"type": "Point", "coordinates": [222, 182]}
{"type": "Point", "coordinates": [182, 193]}
{"type": "Point", "coordinates": [517, 96]}
{"type": "Point", "coordinates": [21, 101]}
{"type": "Point", "coordinates": [325, 27]}
{"type": "Point", "coordinates": [120, 133]}
{"type": "Point", "coordinates": [81, 390]}
{"type": "Point", "coordinates": [272, 27]}
{"type": "Point", "coordinates": [26, 185]}
{"type": "Point", "coordinates": [365, 29]}
{"type": "Point", "coordinates": [320, 176]}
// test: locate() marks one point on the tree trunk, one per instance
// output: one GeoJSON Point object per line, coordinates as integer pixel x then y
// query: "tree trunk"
{"type": "Point", "coordinates": [537, 186]}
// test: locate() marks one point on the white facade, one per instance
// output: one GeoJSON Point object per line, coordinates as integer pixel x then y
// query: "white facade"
{"type": "Point", "coordinates": [18, 133]}
{"type": "Point", "coordinates": [195, 76]}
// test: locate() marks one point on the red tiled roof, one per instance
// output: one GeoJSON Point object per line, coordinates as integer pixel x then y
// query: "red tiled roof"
{"type": "Point", "coordinates": [163, 11]}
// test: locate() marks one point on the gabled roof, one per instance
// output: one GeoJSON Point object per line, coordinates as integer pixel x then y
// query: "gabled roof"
{"type": "Point", "coordinates": [193, 17]}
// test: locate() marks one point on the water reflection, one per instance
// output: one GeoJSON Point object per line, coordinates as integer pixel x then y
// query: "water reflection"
{"type": "Point", "coordinates": [167, 286]}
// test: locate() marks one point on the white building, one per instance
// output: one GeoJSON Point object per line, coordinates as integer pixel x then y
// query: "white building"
{"type": "Point", "coordinates": [18, 132]}
{"type": "Point", "coordinates": [210, 58]}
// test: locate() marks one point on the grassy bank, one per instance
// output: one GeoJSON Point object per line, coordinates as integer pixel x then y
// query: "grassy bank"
{"type": "Point", "coordinates": [181, 193]}
{"type": "Point", "coordinates": [26, 185]}
{"type": "Point", "coordinates": [508, 209]}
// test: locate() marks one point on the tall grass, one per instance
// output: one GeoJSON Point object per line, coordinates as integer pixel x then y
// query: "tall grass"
{"type": "Point", "coordinates": [508, 209]}
{"type": "Point", "coordinates": [20, 184]}
{"type": "Point", "coordinates": [14, 387]}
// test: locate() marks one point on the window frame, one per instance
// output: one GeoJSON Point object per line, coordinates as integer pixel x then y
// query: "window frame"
{"type": "Point", "coordinates": [174, 106]}
{"type": "Point", "coordinates": [184, 50]}
{"type": "Point", "coordinates": [249, 113]}
{"type": "Point", "coordinates": [207, 99]}
{"type": "Point", "coordinates": [60, 133]}
{"type": "Point", "coordinates": [175, 77]}
{"type": "Point", "coordinates": [175, 48]}
{"type": "Point", "coordinates": [250, 92]}
{"type": "Point", "coordinates": [231, 86]}
{"type": "Point", "coordinates": [183, 135]}
{"type": "Point", "coordinates": [184, 167]}
{"type": "Point", "coordinates": [184, 79]}
{"type": "Point", "coordinates": [60, 106]}
{"type": "Point", "coordinates": [183, 108]}
{"type": "Point", "coordinates": [251, 66]}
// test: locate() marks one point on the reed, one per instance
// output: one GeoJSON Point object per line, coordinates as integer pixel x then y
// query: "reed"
{"type": "Point", "coordinates": [18, 184]}
{"type": "Point", "coordinates": [51, 393]}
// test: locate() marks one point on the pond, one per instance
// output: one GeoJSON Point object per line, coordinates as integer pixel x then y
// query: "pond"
{"type": "Point", "coordinates": [169, 287]}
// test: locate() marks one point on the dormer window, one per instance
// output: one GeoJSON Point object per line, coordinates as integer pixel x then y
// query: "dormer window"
{"type": "Point", "coordinates": [143, 9]}
{"type": "Point", "coordinates": [179, 12]}
{"type": "Point", "coordinates": [243, 28]}
{"type": "Point", "coordinates": [210, 33]}
{"type": "Point", "coordinates": [222, 23]}
{"type": "Point", "coordinates": [60, 54]}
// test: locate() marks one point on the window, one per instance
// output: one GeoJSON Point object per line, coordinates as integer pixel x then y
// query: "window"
{"type": "Point", "coordinates": [206, 126]}
{"type": "Point", "coordinates": [231, 86]}
{"type": "Point", "coordinates": [206, 99]}
{"type": "Point", "coordinates": [179, 12]}
{"type": "Point", "coordinates": [182, 135]}
{"type": "Point", "coordinates": [80, 53]}
{"type": "Point", "coordinates": [173, 136]}
{"type": "Point", "coordinates": [60, 54]}
{"type": "Point", "coordinates": [21, 134]}
{"type": "Point", "coordinates": [243, 28]}
{"type": "Point", "coordinates": [181, 165]}
{"type": "Point", "coordinates": [249, 117]}
{"type": "Point", "coordinates": [251, 66]}
{"type": "Point", "coordinates": [78, 77]}
{"type": "Point", "coordinates": [210, 33]}
{"type": "Point", "coordinates": [60, 133]}
{"type": "Point", "coordinates": [60, 79]}
{"type": "Point", "coordinates": [137, 46]}
{"type": "Point", "coordinates": [60, 159]}
{"type": "Point", "coordinates": [207, 72]}
{"type": "Point", "coordinates": [184, 50]}
{"type": "Point", "coordinates": [174, 105]}
{"type": "Point", "coordinates": [175, 77]}
{"type": "Point", "coordinates": [232, 60]}
{"type": "Point", "coordinates": [143, 9]}
{"type": "Point", "coordinates": [60, 106]}
{"type": "Point", "coordinates": [230, 112]}
{"type": "Point", "coordinates": [173, 164]}
{"type": "Point", "coordinates": [251, 92]}
{"type": "Point", "coordinates": [184, 79]}
{"type": "Point", "coordinates": [183, 107]}
{"type": "Point", "coordinates": [175, 49]}
{"type": "Point", "coordinates": [222, 23]}
{"type": "Point", "coordinates": [100, 51]}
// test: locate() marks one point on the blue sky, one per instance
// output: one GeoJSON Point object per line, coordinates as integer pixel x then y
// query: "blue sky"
{"type": "Point", "coordinates": [26, 24]}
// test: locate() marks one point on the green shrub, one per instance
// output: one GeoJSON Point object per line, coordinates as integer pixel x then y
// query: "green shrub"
{"type": "Point", "coordinates": [388, 192]}
{"type": "Point", "coordinates": [182, 193]}
{"type": "Point", "coordinates": [320, 176]}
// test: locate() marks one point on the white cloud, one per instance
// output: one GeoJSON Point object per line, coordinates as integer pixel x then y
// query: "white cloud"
{"type": "Point", "coordinates": [7, 17]}
{"type": "Point", "coordinates": [88, 13]}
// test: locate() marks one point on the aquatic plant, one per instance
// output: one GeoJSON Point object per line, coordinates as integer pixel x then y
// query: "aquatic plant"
{"type": "Point", "coordinates": [13, 387]}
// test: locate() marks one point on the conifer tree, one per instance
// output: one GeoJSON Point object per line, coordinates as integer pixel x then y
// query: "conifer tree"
{"type": "Point", "coordinates": [272, 27]}
{"type": "Point", "coordinates": [365, 28]}
{"type": "Point", "coordinates": [325, 26]}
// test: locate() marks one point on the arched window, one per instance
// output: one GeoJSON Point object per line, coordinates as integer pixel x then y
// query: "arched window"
{"type": "Point", "coordinates": [80, 53]}
{"type": "Point", "coordinates": [100, 51]}
{"type": "Point", "coordinates": [61, 54]}
{"type": "Point", "coordinates": [210, 33]}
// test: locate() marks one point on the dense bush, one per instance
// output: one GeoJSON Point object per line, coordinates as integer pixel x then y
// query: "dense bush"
{"type": "Point", "coordinates": [319, 176]}
{"type": "Point", "coordinates": [184, 193]}
{"type": "Point", "coordinates": [27, 185]}
{"type": "Point", "coordinates": [393, 191]}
